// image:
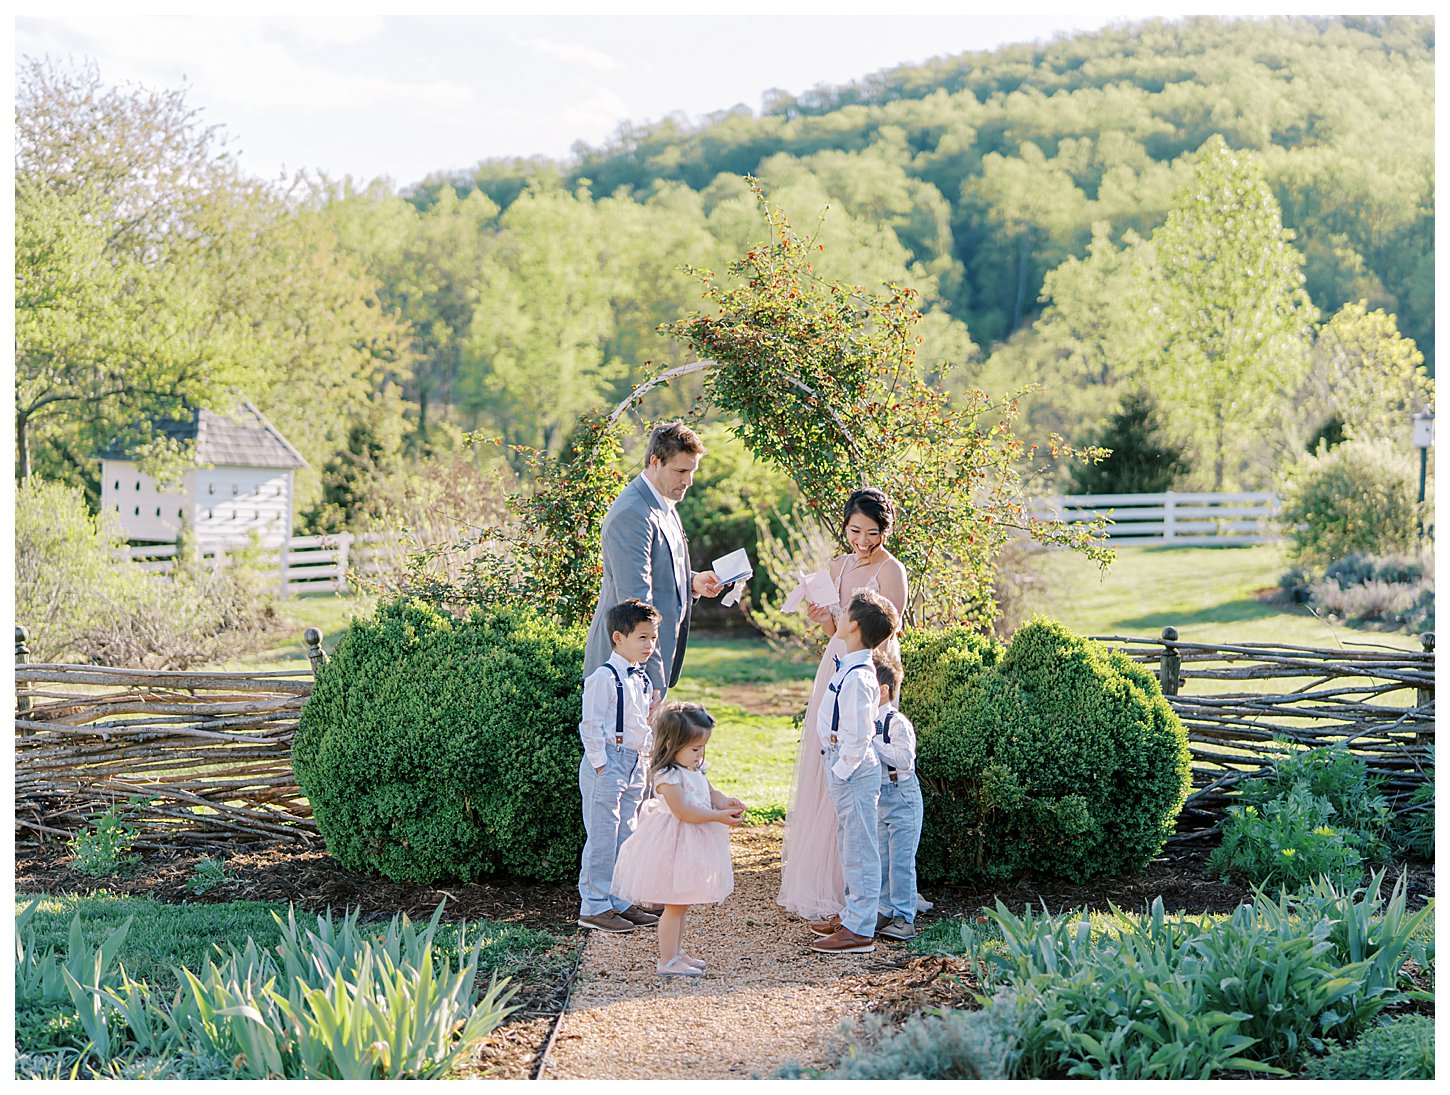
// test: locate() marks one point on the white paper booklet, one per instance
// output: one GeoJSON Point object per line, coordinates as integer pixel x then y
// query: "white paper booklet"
{"type": "Point", "coordinates": [733, 569]}
{"type": "Point", "coordinates": [818, 588]}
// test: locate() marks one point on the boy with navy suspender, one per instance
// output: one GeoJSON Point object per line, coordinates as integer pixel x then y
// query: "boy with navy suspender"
{"type": "Point", "coordinates": [899, 812]}
{"type": "Point", "coordinates": [616, 734]}
{"type": "Point", "coordinates": [847, 727]}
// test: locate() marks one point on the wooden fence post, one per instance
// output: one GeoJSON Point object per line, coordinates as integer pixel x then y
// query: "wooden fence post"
{"type": "Point", "coordinates": [1170, 663]}
{"type": "Point", "coordinates": [344, 541]}
{"type": "Point", "coordinates": [315, 654]}
{"type": "Point", "coordinates": [22, 657]}
{"type": "Point", "coordinates": [1425, 696]}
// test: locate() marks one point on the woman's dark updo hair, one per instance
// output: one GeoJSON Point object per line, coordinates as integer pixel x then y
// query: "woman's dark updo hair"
{"type": "Point", "coordinates": [871, 503]}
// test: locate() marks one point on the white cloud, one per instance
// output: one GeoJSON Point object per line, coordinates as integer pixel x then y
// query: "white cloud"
{"type": "Point", "coordinates": [233, 61]}
{"type": "Point", "coordinates": [571, 52]}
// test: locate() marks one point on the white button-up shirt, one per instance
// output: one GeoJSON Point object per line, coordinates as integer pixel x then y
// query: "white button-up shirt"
{"type": "Point", "coordinates": [900, 751]}
{"type": "Point", "coordinates": [675, 534]}
{"type": "Point", "coordinates": [596, 728]}
{"type": "Point", "coordinates": [858, 695]}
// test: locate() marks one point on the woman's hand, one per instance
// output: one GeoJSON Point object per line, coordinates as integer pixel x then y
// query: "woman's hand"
{"type": "Point", "coordinates": [820, 614]}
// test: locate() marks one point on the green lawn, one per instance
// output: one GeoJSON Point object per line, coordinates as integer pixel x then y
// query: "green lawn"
{"type": "Point", "coordinates": [1208, 594]}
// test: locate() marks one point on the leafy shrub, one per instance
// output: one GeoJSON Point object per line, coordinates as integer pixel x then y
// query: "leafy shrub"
{"type": "Point", "coordinates": [78, 601]}
{"type": "Point", "coordinates": [63, 566]}
{"type": "Point", "coordinates": [1412, 831]}
{"type": "Point", "coordinates": [1142, 995]}
{"type": "Point", "coordinates": [952, 1045]}
{"type": "Point", "coordinates": [209, 873]}
{"type": "Point", "coordinates": [1311, 812]}
{"type": "Point", "coordinates": [105, 850]}
{"type": "Point", "coordinates": [1356, 497]}
{"type": "Point", "coordinates": [1401, 1049]}
{"type": "Point", "coordinates": [435, 748]}
{"type": "Point", "coordinates": [798, 546]}
{"type": "Point", "coordinates": [1057, 757]}
{"type": "Point", "coordinates": [335, 1002]}
{"type": "Point", "coordinates": [1392, 590]}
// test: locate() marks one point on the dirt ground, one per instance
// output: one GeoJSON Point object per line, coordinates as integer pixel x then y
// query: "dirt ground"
{"type": "Point", "coordinates": [765, 1001]}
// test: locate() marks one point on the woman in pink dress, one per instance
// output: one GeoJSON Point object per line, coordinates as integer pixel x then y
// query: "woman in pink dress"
{"type": "Point", "coordinates": [810, 871]}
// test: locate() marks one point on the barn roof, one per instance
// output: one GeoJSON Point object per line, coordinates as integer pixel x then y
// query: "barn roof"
{"type": "Point", "coordinates": [240, 438]}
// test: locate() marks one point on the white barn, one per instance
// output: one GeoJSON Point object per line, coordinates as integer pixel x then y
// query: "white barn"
{"type": "Point", "coordinates": [242, 484]}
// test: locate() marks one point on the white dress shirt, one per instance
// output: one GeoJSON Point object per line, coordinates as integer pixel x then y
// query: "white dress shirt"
{"type": "Point", "coordinates": [675, 535]}
{"type": "Point", "coordinates": [596, 728]}
{"type": "Point", "coordinates": [900, 751]}
{"type": "Point", "coordinates": [858, 695]}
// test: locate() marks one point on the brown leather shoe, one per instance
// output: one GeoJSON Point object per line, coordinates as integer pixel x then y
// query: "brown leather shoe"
{"type": "Point", "coordinates": [606, 922]}
{"type": "Point", "coordinates": [825, 927]}
{"type": "Point", "coordinates": [638, 917]}
{"type": "Point", "coordinates": [843, 941]}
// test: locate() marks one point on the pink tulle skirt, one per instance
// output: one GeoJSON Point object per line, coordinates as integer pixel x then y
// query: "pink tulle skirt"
{"type": "Point", "coordinates": [667, 861]}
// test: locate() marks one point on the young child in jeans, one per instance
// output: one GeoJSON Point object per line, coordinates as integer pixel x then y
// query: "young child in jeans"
{"type": "Point", "coordinates": [616, 733]}
{"type": "Point", "coordinates": [899, 810]}
{"type": "Point", "coordinates": [847, 727]}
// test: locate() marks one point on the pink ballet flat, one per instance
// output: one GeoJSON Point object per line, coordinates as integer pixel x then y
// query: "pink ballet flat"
{"type": "Point", "coordinates": [676, 967]}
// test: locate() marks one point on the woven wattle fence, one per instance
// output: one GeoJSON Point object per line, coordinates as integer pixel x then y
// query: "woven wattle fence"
{"type": "Point", "coordinates": [1376, 701]}
{"type": "Point", "coordinates": [199, 759]}
{"type": "Point", "coordinates": [209, 754]}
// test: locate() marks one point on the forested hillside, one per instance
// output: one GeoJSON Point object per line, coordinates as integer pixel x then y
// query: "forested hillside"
{"type": "Point", "coordinates": [1210, 238]}
{"type": "Point", "coordinates": [991, 168]}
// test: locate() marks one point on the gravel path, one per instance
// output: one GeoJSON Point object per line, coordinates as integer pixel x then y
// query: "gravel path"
{"type": "Point", "coordinates": [765, 1000]}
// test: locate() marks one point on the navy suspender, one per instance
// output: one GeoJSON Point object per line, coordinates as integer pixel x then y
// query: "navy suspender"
{"type": "Point", "coordinates": [884, 729]}
{"type": "Point", "coordinates": [618, 706]}
{"type": "Point", "coordinates": [836, 710]}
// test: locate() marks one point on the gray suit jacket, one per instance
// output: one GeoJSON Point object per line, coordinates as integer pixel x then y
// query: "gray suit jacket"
{"type": "Point", "coordinates": [638, 562]}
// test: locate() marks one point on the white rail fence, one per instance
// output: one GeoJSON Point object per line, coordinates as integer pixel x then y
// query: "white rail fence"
{"type": "Point", "coordinates": [1172, 517]}
{"type": "Point", "coordinates": [306, 564]}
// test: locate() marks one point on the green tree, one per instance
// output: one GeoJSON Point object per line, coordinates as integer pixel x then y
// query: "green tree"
{"type": "Point", "coordinates": [1139, 460]}
{"type": "Point", "coordinates": [153, 277]}
{"type": "Point", "coordinates": [1365, 376]}
{"type": "Point", "coordinates": [534, 358]}
{"type": "Point", "coordinates": [1227, 300]}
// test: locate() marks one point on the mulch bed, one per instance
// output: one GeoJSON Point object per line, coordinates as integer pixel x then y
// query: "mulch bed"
{"type": "Point", "coordinates": [314, 882]}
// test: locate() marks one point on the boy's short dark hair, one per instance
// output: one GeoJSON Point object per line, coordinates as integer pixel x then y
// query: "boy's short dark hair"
{"type": "Point", "coordinates": [888, 671]}
{"type": "Point", "coordinates": [629, 614]}
{"type": "Point", "coordinates": [668, 440]}
{"type": "Point", "coordinates": [875, 616]}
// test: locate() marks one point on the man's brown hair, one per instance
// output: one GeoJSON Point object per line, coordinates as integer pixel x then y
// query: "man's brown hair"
{"type": "Point", "coordinates": [875, 616]}
{"type": "Point", "coordinates": [669, 439]}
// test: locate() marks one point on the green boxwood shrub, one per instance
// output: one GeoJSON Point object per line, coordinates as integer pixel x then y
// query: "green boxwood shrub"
{"type": "Point", "coordinates": [1054, 756]}
{"type": "Point", "coordinates": [436, 748]}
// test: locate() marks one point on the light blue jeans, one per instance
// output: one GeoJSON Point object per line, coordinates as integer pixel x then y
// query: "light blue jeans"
{"type": "Point", "coordinates": [611, 800]}
{"type": "Point", "coordinates": [898, 832]}
{"type": "Point", "coordinates": [855, 799]}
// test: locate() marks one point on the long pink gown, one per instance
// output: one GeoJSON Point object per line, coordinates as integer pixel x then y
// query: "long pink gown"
{"type": "Point", "coordinates": [811, 884]}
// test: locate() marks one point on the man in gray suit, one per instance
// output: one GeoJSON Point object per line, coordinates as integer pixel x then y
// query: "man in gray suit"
{"type": "Point", "coordinates": [646, 555]}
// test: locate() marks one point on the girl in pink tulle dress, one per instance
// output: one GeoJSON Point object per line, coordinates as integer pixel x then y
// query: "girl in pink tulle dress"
{"type": "Point", "coordinates": [679, 852]}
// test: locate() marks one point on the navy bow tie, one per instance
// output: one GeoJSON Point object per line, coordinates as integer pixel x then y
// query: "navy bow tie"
{"type": "Point", "coordinates": [837, 660]}
{"type": "Point", "coordinates": [637, 671]}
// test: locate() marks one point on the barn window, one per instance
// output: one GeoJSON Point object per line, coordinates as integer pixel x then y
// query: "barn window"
{"type": "Point", "coordinates": [211, 488]}
{"type": "Point", "coordinates": [158, 511]}
{"type": "Point", "coordinates": [208, 515]}
{"type": "Point", "coordinates": [138, 484]}
{"type": "Point", "coordinates": [138, 511]}
{"type": "Point", "coordinates": [234, 489]}
{"type": "Point", "coordinates": [118, 484]}
{"type": "Point", "coordinates": [178, 514]}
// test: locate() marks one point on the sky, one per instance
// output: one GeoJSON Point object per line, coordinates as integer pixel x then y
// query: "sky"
{"type": "Point", "coordinates": [361, 93]}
